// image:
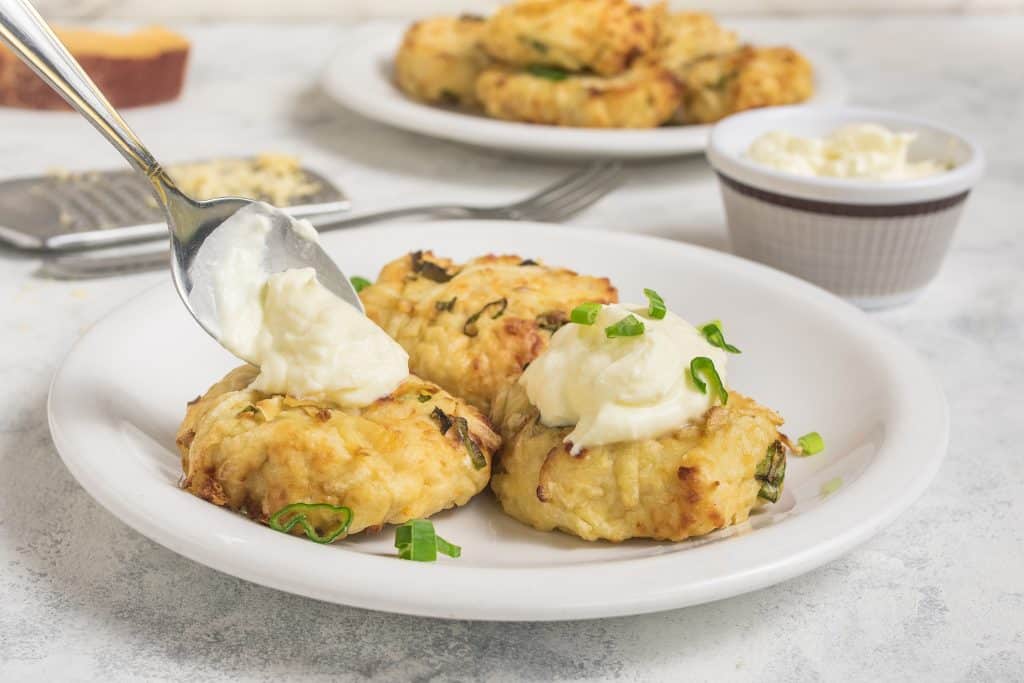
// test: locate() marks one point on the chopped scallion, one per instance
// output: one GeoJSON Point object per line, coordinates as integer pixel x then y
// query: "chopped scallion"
{"type": "Point", "coordinates": [446, 305]}
{"type": "Point", "coordinates": [703, 372]}
{"type": "Point", "coordinates": [297, 513]}
{"type": "Point", "coordinates": [476, 456]}
{"type": "Point", "coordinates": [552, 321]}
{"type": "Point", "coordinates": [771, 472]}
{"type": "Point", "coordinates": [359, 283]}
{"type": "Point", "coordinates": [416, 540]}
{"type": "Point", "coordinates": [712, 331]}
{"type": "Point", "coordinates": [585, 314]}
{"type": "Point", "coordinates": [549, 72]}
{"type": "Point", "coordinates": [429, 269]}
{"type": "Point", "coordinates": [656, 309]}
{"type": "Point", "coordinates": [444, 422]}
{"type": "Point", "coordinates": [811, 443]}
{"type": "Point", "coordinates": [470, 327]}
{"type": "Point", "coordinates": [630, 326]}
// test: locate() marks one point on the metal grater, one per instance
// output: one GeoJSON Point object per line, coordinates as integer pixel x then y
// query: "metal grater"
{"type": "Point", "coordinates": [106, 208]}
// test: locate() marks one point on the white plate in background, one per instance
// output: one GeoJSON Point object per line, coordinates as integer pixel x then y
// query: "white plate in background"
{"type": "Point", "coordinates": [120, 394]}
{"type": "Point", "coordinates": [359, 76]}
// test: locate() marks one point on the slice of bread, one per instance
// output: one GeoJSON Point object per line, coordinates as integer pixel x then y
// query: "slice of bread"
{"type": "Point", "coordinates": [140, 68]}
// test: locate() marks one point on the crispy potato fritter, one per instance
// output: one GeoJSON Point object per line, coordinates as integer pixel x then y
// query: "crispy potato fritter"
{"type": "Point", "coordinates": [602, 36]}
{"type": "Point", "coordinates": [440, 59]}
{"type": "Point", "coordinates": [686, 36]}
{"type": "Point", "coordinates": [750, 77]}
{"type": "Point", "coordinates": [473, 327]}
{"type": "Point", "coordinates": [646, 96]}
{"type": "Point", "coordinates": [388, 462]}
{"type": "Point", "coordinates": [690, 482]}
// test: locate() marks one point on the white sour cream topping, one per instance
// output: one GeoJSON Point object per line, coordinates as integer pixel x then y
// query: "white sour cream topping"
{"type": "Point", "coordinates": [621, 389]}
{"type": "Point", "coordinates": [862, 151]}
{"type": "Point", "coordinates": [307, 342]}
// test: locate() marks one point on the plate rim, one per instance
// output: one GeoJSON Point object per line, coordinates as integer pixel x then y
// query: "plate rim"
{"type": "Point", "coordinates": [373, 40]}
{"type": "Point", "coordinates": [366, 594]}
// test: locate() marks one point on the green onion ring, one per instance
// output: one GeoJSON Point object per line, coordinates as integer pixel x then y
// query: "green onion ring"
{"type": "Point", "coordinates": [712, 331]}
{"type": "Point", "coordinates": [359, 283]}
{"type": "Point", "coordinates": [630, 326]}
{"type": "Point", "coordinates": [300, 518]}
{"type": "Point", "coordinates": [811, 443]}
{"type": "Point", "coordinates": [656, 308]}
{"type": "Point", "coordinates": [585, 314]}
{"type": "Point", "coordinates": [702, 365]}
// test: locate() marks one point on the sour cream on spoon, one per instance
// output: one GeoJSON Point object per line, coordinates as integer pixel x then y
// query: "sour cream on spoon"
{"type": "Point", "coordinates": [307, 342]}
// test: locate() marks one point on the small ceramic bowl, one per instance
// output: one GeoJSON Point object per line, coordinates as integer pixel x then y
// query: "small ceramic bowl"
{"type": "Point", "coordinates": [876, 243]}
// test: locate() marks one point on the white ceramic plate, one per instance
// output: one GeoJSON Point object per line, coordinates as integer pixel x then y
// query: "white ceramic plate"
{"type": "Point", "coordinates": [118, 398]}
{"type": "Point", "coordinates": [359, 77]}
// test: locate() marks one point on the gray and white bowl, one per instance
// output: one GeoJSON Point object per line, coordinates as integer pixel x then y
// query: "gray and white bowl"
{"type": "Point", "coordinates": [875, 243]}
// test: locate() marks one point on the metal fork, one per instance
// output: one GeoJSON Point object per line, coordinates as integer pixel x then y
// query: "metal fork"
{"type": "Point", "coordinates": [554, 203]}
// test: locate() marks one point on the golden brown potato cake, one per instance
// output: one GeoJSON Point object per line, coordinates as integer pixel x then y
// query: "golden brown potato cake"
{"type": "Point", "coordinates": [472, 327]}
{"type": "Point", "coordinates": [440, 59]}
{"type": "Point", "coordinates": [388, 462]}
{"type": "Point", "coordinates": [690, 482]}
{"type": "Point", "coordinates": [750, 77]}
{"type": "Point", "coordinates": [646, 96]}
{"type": "Point", "coordinates": [603, 36]}
{"type": "Point", "coordinates": [686, 36]}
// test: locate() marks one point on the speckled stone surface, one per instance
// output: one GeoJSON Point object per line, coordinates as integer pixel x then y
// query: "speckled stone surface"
{"type": "Point", "coordinates": [938, 595]}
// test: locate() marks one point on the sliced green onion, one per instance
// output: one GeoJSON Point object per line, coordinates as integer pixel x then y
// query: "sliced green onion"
{"type": "Point", "coordinates": [771, 472]}
{"type": "Point", "coordinates": [630, 326]}
{"type": "Point", "coordinates": [657, 308]}
{"type": "Point", "coordinates": [296, 514]}
{"type": "Point", "coordinates": [552, 321]}
{"type": "Point", "coordinates": [475, 454]}
{"type": "Point", "coordinates": [811, 443]}
{"type": "Point", "coordinates": [446, 548]}
{"type": "Point", "coordinates": [429, 269]}
{"type": "Point", "coordinates": [470, 328]}
{"type": "Point", "coordinates": [446, 305]}
{"type": "Point", "coordinates": [703, 372]}
{"type": "Point", "coordinates": [416, 540]}
{"type": "Point", "coordinates": [443, 421]}
{"type": "Point", "coordinates": [359, 283]}
{"type": "Point", "coordinates": [585, 314]}
{"type": "Point", "coordinates": [712, 331]}
{"type": "Point", "coordinates": [549, 72]}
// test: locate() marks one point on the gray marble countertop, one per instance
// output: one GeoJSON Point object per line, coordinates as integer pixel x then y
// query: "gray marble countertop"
{"type": "Point", "coordinates": [938, 595]}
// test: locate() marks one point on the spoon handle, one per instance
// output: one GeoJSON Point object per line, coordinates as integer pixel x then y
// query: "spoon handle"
{"type": "Point", "coordinates": [28, 36]}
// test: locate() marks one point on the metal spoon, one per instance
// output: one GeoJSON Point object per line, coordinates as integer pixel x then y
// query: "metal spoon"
{"type": "Point", "coordinates": [190, 222]}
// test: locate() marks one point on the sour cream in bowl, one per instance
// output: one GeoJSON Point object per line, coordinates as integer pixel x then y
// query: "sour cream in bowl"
{"type": "Point", "coordinates": [862, 202]}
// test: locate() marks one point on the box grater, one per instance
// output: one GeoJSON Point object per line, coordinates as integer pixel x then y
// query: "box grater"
{"type": "Point", "coordinates": [106, 208]}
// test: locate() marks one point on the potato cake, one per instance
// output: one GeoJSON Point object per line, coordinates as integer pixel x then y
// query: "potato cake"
{"type": "Point", "coordinates": [751, 77]}
{"type": "Point", "coordinates": [406, 456]}
{"type": "Point", "coordinates": [439, 60]}
{"type": "Point", "coordinates": [686, 36]}
{"type": "Point", "coordinates": [473, 327]}
{"type": "Point", "coordinates": [646, 96]}
{"type": "Point", "coordinates": [702, 477]}
{"type": "Point", "coordinates": [602, 36]}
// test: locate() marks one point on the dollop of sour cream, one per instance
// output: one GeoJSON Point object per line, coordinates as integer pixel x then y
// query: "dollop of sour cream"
{"type": "Point", "coordinates": [307, 342]}
{"type": "Point", "coordinates": [624, 388]}
{"type": "Point", "coordinates": [863, 151]}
